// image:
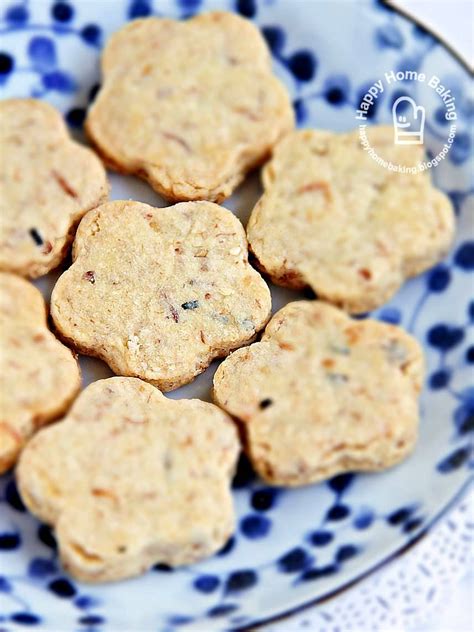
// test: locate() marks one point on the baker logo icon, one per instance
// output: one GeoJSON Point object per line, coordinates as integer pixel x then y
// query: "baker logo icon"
{"type": "Point", "coordinates": [408, 126]}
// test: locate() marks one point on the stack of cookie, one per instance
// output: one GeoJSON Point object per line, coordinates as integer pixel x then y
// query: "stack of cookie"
{"type": "Point", "coordinates": [129, 477]}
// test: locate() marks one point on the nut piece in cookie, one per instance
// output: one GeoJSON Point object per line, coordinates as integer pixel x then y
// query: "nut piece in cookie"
{"type": "Point", "coordinates": [48, 182]}
{"type": "Point", "coordinates": [323, 394]}
{"type": "Point", "coordinates": [189, 106]}
{"type": "Point", "coordinates": [333, 219]}
{"type": "Point", "coordinates": [130, 478]}
{"type": "Point", "coordinates": [40, 376]}
{"type": "Point", "coordinates": [158, 293]}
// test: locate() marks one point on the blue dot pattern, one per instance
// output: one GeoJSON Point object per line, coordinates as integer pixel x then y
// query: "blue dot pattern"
{"type": "Point", "coordinates": [206, 583]}
{"type": "Point", "coordinates": [42, 53]}
{"type": "Point", "coordinates": [62, 11]}
{"type": "Point", "coordinates": [255, 526]}
{"type": "Point", "coordinates": [139, 9]}
{"type": "Point", "coordinates": [295, 561]}
{"type": "Point", "coordinates": [440, 379]}
{"type": "Point", "coordinates": [62, 587]}
{"type": "Point", "coordinates": [247, 8]}
{"type": "Point", "coordinates": [303, 65]}
{"type": "Point", "coordinates": [16, 14]}
{"type": "Point", "coordinates": [464, 257]}
{"type": "Point", "coordinates": [241, 580]}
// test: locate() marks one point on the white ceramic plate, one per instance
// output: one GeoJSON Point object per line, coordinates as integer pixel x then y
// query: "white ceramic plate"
{"type": "Point", "coordinates": [291, 548]}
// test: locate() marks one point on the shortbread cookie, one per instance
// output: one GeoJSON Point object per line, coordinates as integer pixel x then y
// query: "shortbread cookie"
{"type": "Point", "coordinates": [189, 106]}
{"type": "Point", "coordinates": [323, 394]}
{"type": "Point", "coordinates": [160, 292]}
{"type": "Point", "coordinates": [130, 478]}
{"type": "Point", "coordinates": [40, 376]}
{"type": "Point", "coordinates": [333, 219]}
{"type": "Point", "coordinates": [47, 184]}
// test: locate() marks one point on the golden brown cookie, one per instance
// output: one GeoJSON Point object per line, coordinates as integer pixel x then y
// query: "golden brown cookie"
{"type": "Point", "coordinates": [40, 376]}
{"type": "Point", "coordinates": [158, 293]}
{"type": "Point", "coordinates": [189, 106]}
{"type": "Point", "coordinates": [333, 219]}
{"type": "Point", "coordinates": [323, 394]}
{"type": "Point", "coordinates": [130, 478]}
{"type": "Point", "coordinates": [47, 183]}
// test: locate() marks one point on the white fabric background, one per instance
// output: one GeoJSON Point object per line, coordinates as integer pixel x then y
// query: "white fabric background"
{"type": "Point", "coordinates": [453, 20]}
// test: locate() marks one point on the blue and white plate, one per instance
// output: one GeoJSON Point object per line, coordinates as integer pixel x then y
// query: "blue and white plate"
{"type": "Point", "coordinates": [291, 548]}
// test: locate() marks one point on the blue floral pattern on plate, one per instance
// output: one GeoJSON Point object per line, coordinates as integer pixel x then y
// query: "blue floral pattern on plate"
{"type": "Point", "coordinates": [290, 547]}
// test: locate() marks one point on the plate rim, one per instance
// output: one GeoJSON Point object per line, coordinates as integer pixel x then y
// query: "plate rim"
{"type": "Point", "coordinates": [461, 493]}
{"type": "Point", "coordinates": [408, 15]}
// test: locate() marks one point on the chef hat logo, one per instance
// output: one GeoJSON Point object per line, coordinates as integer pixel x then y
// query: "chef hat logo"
{"type": "Point", "coordinates": [408, 121]}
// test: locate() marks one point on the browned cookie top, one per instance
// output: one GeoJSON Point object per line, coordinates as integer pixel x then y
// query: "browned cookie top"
{"type": "Point", "coordinates": [323, 394]}
{"type": "Point", "coordinates": [47, 184]}
{"type": "Point", "coordinates": [333, 219]}
{"type": "Point", "coordinates": [130, 478]}
{"type": "Point", "coordinates": [40, 376]}
{"type": "Point", "coordinates": [190, 106]}
{"type": "Point", "coordinates": [158, 293]}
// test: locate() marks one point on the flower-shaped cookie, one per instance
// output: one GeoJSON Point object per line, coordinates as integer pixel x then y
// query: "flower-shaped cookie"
{"type": "Point", "coordinates": [48, 182]}
{"type": "Point", "coordinates": [130, 478]}
{"type": "Point", "coordinates": [333, 219]}
{"type": "Point", "coordinates": [189, 106]}
{"type": "Point", "coordinates": [323, 394]}
{"type": "Point", "coordinates": [40, 376]}
{"type": "Point", "coordinates": [160, 292]}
